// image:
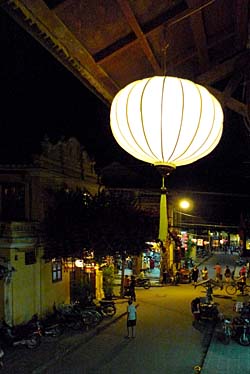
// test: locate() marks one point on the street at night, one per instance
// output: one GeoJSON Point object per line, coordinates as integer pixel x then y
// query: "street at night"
{"type": "Point", "coordinates": [166, 340]}
{"type": "Point", "coordinates": [124, 155]}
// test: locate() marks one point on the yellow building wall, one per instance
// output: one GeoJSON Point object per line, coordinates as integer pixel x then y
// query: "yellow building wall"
{"type": "Point", "coordinates": [23, 290]}
{"type": "Point", "coordinates": [53, 292]}
{"type": "Point", "coordinates": [33, 290]}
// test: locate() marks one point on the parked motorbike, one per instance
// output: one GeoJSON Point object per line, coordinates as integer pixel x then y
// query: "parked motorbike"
{"type": "Point", "coordinates": [106, 308]}
{"type": "Point", "coordinates": [225, 331]}
{"type": "Point", "coordinates": [27, 335]}
{"type": "Point", "coordinates": [185, 275]}
{"type": "Point", "coordinates": [172, 279]}
{"type": "Point", "coordinates": [48, 326]}
{"type": "Point", "coordinates": [143, 282]}
{"type": "Point", "coordinates": [203, 309]}
{"type": "Point", "coordinates": [69, 316]}
{"type": "Point", "coordinates": [241, 330]}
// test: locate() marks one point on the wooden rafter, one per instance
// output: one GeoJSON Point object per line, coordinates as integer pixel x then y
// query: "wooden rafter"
{"type": "Point", "coordinates": [130, 17]}
{"type": "Point", "coordinates": [199, 35]}
{"type": "Point", "coordinates": [241, 23]}
{"type": "Point", "coordinates": [224, 70]}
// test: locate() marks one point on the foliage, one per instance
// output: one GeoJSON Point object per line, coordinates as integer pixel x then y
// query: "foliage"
{"type": "Point", "coordinates": [65, 223]}
{"type": "Point", "coordinates": [190, 246]}
{"type": "Point", "coordinates": [104, 223]}
{"type": "Point", "coordinates": [108, 281]}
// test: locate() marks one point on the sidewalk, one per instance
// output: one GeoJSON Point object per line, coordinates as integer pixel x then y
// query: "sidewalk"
{"type": "Point", "coordinates": [19, 361]}
{"type": "Point", "coordinates": [226, 359]}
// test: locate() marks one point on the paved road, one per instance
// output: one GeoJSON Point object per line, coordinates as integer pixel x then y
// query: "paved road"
{"type": "Point", "coordinates": [166, 341]}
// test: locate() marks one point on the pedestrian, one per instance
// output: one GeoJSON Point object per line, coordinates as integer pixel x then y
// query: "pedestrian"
{"type": "Point", "coordinates": [204, 273]}
{"type": "Point", "coordinates": [141, 275]}
{"type": "Point", "coordinates": [151, 264]}
{"type": "Point", "coordinates": [227, 274]}
{"type": "Point", "coordinates": [195, 274]}
{"type": "Point", "coordinates": [131, 319]}
{"type": "Point", "coordinates": [218, 275]}
{"type": "Point", "coordinates": [243, 270]}
{"type": "Point", "coordinates": [241, 282]}
{"type": "Point", "coordinates": [126, 284]}
{"type": "Point", "coordinates": [132, 288]}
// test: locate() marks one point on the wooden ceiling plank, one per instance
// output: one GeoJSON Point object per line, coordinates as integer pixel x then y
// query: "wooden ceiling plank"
{"type": "Point", "coordinates": [199, 35]}
{"type": "Point", "coordinates": [170, 23]}
{"type": "Point", "coordinates": [130, 17]}
{"type": "Point", "coordinates": [200, 40]}
{"type": "Point", "coordinates": [221, 71]}
{"type": "Point", "coordinates": [241, 23]}
{"type": "Point", "coordinates": [233, 83]}
{"type": "Point", "coordinates": [231, 103]}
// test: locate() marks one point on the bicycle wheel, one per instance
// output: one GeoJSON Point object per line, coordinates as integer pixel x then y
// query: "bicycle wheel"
{"type": "Point", "coordinates": [246, 290]}
{"type": "Point", "coordinates": [231, 289]}
{"type": "Point", "coordinates": [244, 340]}
{"type": "Point", "coordinates": [109, 310]}
{"type": "Point", "coordinates": [147, 285]}
{"type": "Point", "coordinates": [33, 341]}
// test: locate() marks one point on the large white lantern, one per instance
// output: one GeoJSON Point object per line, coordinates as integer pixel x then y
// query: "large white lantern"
{"type": "Point", "coordinates": [166, 120]}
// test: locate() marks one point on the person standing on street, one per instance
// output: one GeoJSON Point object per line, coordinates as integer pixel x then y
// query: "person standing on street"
{"type": "Point", "coordinates": [243, 270]}
{"type": "Point", "coordinates": [126, 284]}
{"type": "Point", "coordinates": [131, 319]}
{"type": "Point", "coordinates": [195, 274]}
{"type": "Point", "coordinates": [227, 274]}
{"type": "Point", "coordinates": [204, 273]}
{"type": "Point", "coordinates": [132, 288]}
{"type": "Point", "coordinates": [218, 275]}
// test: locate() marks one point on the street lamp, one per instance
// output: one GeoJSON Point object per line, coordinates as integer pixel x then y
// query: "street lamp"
{"type": "Point", "coordinates": [179, 208]}
{"type": "Point", "coordinates": [167, 122]}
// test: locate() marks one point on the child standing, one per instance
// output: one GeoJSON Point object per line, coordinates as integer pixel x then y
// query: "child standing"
{"type": "Point", "coordinates": [131, 319]}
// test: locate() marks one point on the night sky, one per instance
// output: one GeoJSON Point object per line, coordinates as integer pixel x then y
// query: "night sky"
{"type": "Point", "coordinates": [39, 96]}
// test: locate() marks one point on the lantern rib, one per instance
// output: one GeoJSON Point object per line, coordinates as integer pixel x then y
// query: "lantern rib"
{"type": "Point", "coordinates": [142, 122]}
{"type": "Point", "coordinates": [211, 128]}
{"type": "Point", "coordinates": [129, 126]}
{"type": "Point", "coordinates": [181, 122]}
{"type": "Point", "coordinates": [196, 131]}
{"type": "Point", "coordinates": [162, 94]}
{"type": "Point", "coordinates": [120, 131]}
{"type": "Point", "coordinates": [118, 126]}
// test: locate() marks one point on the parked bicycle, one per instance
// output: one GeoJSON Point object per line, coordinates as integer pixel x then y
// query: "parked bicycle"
{"type": "Point", "coordinates": [69, 316]}
{"type": "Point", "coordinates": [232, 288]}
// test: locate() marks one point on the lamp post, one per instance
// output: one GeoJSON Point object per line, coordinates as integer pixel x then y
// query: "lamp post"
{"type": "Point", "coordinates": [167, 122]}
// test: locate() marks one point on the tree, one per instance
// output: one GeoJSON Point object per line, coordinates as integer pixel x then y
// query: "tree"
{"type": "Point", "coordinates": [104, 223]}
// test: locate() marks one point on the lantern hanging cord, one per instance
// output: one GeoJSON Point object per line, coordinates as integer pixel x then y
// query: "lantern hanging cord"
{"type": "Point", "coordinates": [164, 63]}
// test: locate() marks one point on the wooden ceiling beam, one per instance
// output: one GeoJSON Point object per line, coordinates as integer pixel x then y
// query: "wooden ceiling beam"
{"type": "Point", "coordinates": [62, 44]}
{"type": "Point", "coordinates": [223, 70]}
{"type": "Point", "coordinates": [229, 102]}
{"type": "Point", "coordinates": [233, 83]}
{"type": "Point", "coordinates": [199, 35]}
{"type": "Point", "coordinates": [241, 23]}
{"type": "Point", "coordinates": [130, 18]}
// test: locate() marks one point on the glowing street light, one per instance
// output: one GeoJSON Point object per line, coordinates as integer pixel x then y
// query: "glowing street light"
{"type": "Point", "coordinates": [184, 204]}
